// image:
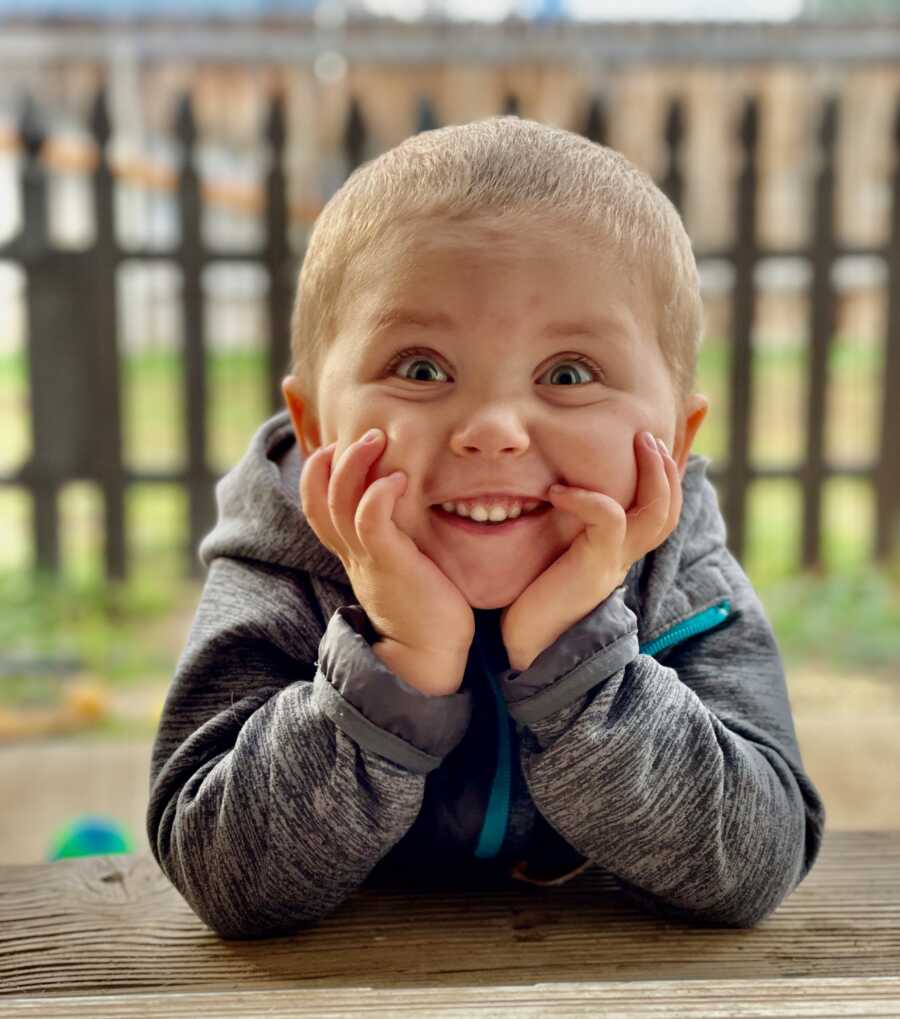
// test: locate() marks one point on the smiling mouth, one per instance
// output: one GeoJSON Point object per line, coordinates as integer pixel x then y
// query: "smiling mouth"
{"type": "Point", "coordinates": [466, 524]}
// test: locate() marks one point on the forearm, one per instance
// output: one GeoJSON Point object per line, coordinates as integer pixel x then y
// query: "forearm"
{"type": "Point", "coordinates": [273, 832]}
{"type": "Point", "coordinates": [642, 778]}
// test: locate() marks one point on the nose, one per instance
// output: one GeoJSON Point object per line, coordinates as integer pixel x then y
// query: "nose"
{"type": "Point", "coordinates": [491, 434]}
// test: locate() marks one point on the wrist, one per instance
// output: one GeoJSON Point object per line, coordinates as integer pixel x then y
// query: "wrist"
{"type": "Point", "coordinates": [520, 660]}
{"type": "Point", "coordinates": [434, 675]}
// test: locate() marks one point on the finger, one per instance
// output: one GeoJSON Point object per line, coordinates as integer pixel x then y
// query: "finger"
{"type": "Point", "coordinates": [373, 521]}
{"type": "Point", "coordinates": [652, 483]}
{"type": "Point", "coordinates": [676, 494]}
{"type": "Point", "coordinates": [348, 482]}
{"type": "Point", "coordinates": [603, 517]}
{"type": "Point", "coordinates": [314, 496]}
{"type": "Point", "coordinates": [652, 502]}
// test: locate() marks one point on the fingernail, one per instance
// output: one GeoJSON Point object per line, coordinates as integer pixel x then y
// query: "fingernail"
{"type": "Point", "coordinates": [372, 435]}
{"type": "Point", "coordinates": [663, 448]}
{"type": "Point", "coordinates": [648, 440]}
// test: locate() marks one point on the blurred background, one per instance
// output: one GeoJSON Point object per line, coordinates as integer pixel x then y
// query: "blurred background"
{"type": "Point", "coordinates": [161, 165]}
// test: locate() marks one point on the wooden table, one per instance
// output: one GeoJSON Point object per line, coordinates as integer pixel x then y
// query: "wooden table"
{"type": "Point", "coordinates": [108, 936]}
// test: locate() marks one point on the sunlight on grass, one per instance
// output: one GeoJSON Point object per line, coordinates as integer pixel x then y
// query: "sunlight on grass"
{"type": "Point", "coordinates": [854, 409]}
{"type": "Point", "coordinates": [779, 402]}
{"type": "Point", "coordinates": [15, 410]}
{"type": "Point", "coordinates": [773, 530]}
{"type": "Point", "coordinates": [153, 410]}
{"type": "Point", "coordinates": [848, 525]}
{"type": "Point", "coordinates": [712, 369]}
{"type": "Point", "coordinates": [157, 521]}
{"type": "Point", "coordinates": [81, 544]}
{"type": "Point", "coordinates": [847, 621]}
{"type": "Point", "coordinates": [83, 624]}
{"type": "Point", "coordinates": [238, 403]}
{"type": "Point", "coordinates": [17, 546]}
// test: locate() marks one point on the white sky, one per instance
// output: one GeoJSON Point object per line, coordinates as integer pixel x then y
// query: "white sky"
{"type": "Point", "coordinates": [599, 10]}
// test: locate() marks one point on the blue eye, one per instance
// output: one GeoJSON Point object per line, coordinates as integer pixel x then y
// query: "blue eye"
{"type": "Point", "coordinates": [407, 356]}
{"type": "Point", "coordinates": [595, 374]}
{"type": "Point", "coordinates": [422, 358]}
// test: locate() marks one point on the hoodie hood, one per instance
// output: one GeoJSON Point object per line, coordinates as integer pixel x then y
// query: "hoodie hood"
{"type": "Point", "coordinates": [260, 517]}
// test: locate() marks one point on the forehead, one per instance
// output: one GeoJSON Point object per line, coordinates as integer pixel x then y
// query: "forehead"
{"type": "Point", "coordinates": [430, 275]}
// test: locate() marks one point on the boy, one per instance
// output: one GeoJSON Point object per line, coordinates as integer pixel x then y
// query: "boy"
{"type": "Point", "coordinates": [411, 655]}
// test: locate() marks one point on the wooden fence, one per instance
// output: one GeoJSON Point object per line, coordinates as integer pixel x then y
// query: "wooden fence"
{"type": "Point", "coordinates": [73, 346]}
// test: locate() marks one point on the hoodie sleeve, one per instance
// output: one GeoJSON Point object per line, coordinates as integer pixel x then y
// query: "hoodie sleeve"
{"type": "Point", "coordinates": [279, 779]}
{"type": "Point", "coordinates": [682, 776]}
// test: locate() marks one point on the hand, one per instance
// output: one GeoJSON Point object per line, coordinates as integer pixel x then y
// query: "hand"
{"type": "Point", "coordinates": [599, 558]}
{"type": "Point", "coordinates": [409, 600]}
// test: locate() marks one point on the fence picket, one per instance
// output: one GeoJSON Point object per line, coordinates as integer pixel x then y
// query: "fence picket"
{"type": "Point", "coordinates": [738, 471]}
{"type": "Point", "coordinates": [201, 512]}
{"type": "Point", "coordinates": [821, 331]}
{"type": "Point", "coordinates": [277, 254]}
{"type": "Point", "coordinates": [887, 501]}
{"type": "Point", "coordinates": [355, 136]}
{"type": "Point", "coordinates": [672, 184]}
{"type": "Point", "coordinates": [595, 128]}
{"type": "Point", "coordinates": [106, 416]}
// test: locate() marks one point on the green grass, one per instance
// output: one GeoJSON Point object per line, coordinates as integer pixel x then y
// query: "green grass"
{"type": "Point", "coordinates": [779, 402]}
{"type": "Point", "coordinates": [154, 435]}
{"type": "Point", "coordinates": [850, 619]}
{"type": "Point", "coordinates": [106, 630]}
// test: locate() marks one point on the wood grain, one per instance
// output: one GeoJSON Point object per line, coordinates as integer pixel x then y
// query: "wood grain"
{"type": "Point", "coordinates": [114, 925]}
{"type": "Point", "coordinates": [684, 999]}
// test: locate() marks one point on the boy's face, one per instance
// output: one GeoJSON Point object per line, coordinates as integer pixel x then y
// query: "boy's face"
{"type": "Point", "coordinates": [492, 400]}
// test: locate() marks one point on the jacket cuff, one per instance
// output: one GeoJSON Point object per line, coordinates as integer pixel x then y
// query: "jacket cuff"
{"type": "Point", "coordinates": [589, 652]}
{"type": "Point", "coordinates": [376, 708]}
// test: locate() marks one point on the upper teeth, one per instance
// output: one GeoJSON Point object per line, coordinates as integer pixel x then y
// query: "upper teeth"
{"type": "Point", "coordinates": [480, 511]}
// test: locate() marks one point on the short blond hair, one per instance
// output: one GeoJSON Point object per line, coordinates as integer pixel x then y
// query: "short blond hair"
{"type": "Point", "coordinates": [502, 166]}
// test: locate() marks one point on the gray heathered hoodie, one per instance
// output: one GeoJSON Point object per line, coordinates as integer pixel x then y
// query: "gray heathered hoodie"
{"type": "Point", "coordinates": [653, 739]}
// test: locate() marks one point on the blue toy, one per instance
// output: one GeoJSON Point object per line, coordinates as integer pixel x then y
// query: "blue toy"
{"type": "Point", "coordinates": [90, 836]}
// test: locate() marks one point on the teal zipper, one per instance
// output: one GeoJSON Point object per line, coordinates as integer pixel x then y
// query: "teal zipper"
{"type": "Point", "coordinates": [705, 620]}
{"type": "Point", "coordinates": [496, 818]}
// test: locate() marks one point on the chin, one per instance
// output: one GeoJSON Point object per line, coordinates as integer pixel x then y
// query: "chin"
{"type": "Point", "coordinates": [490, 603]}
{"type": "Point", "coordinates": [482, 594]}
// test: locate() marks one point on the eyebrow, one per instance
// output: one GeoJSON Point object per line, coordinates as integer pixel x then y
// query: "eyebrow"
{"type": "Point", "coordinates": [598, 328]}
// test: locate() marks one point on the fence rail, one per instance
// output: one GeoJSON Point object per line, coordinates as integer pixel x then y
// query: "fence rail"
{"type": "Point", "coordinates": [73, 342]}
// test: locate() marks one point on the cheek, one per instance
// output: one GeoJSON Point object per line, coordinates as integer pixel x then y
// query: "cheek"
{"type": "Point", "coordinates": [608, 467]}
{"type": "Point", "coordinates": [403, 451]}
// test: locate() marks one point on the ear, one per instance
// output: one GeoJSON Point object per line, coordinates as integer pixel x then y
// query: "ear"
{"type": "Point", "coordinates": [306, 427]}
{"type": "Point", "coordinates": [692, 414]}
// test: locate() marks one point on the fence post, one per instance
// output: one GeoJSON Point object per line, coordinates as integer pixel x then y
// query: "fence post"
{"type": "Point", "coordinates": [820, 335]}
{"type": "Point", "coordinates": [201, 510]}
{"type": "Point", "coordinates": [106, 432]}
{"type": "Point", "coordinates": [277, 254]}
{"type": "Point", "coordinates": [673, 180]}
{"type": "Point", "coordinates": [35, 243]}
{"type": "Point", "coordinates": [354, 137]}
{"type": "Point", "coordinates": [425, 118]}
{"type": "Point", "coordinates": [888, 487]}
{"type": "Point", "coordinates": [743, 313]}
{"type": "Point", "coordinates": [595, 123]}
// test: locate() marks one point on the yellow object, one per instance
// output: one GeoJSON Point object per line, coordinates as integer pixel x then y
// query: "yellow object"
{"type": "Point", "coordinates": [87, 702]}
{"type": "Point", "coordinates": [83, 703]}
